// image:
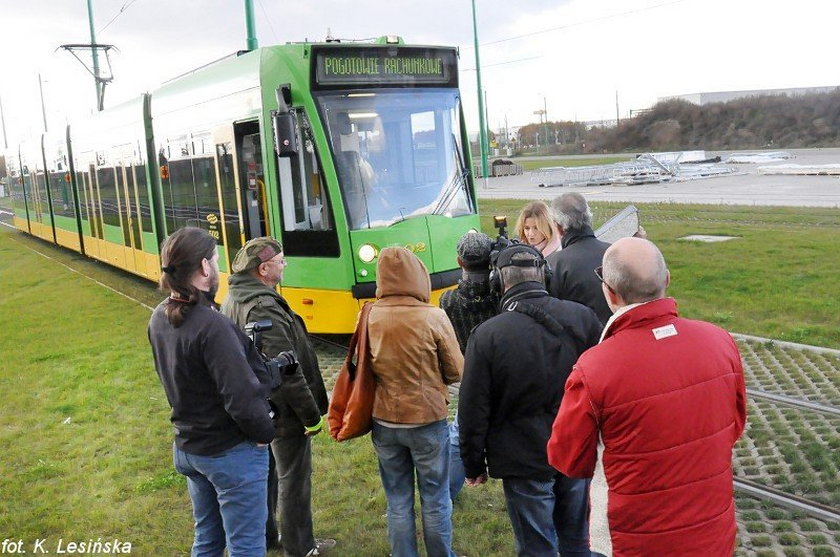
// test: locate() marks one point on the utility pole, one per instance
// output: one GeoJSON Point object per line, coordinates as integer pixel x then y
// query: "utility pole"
{"type": "Point", "coordinates": [616, 108]}
{"type": "Point", "coordinates": [99, 99]}
{"type": "Point", "coordinates": [43, 106]}
{"type": "Point", "coordinates": [249, 25]}
{"type": "Point", "coordinates": [482, 132]}
{"type": "Point", "coordinates": [487, 118]}
{"type": "Point", "coordinates": [545, 122]}
{"type": "Point", "coordinates": [3, 122]}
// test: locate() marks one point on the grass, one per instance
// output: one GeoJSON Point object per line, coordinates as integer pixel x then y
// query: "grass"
{"type": "Point", "coordinates": [776, 280]}
{"type": "Point", "coordinates": [86, 436]}
{"type": "Point", "coordinates": [84, 426]}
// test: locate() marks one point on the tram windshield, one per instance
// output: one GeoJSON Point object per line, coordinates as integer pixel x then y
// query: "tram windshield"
{"type": "Point", "coordinates": [398, 153]}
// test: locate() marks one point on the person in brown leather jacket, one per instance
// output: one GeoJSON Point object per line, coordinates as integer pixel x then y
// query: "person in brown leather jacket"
{"type": "Point", "coordinates": [414, 355]}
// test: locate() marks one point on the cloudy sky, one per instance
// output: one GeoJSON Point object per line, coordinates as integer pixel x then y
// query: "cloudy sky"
{"type": "Point", "coordinates": [574, 56]}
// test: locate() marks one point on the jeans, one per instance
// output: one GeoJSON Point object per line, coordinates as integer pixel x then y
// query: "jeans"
{"type": "Point", "coordinates": [456, 465]}
{"type": "Point", "coordinates": [549, 516]}
{"type": "Point", "coordinates": [402, 451]}
{"type": "Point", "coordinates": [294, 471]}
{"type": "Point", "coordinates": [228, 492]}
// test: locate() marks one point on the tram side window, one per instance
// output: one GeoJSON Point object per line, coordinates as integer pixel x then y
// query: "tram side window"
{"type": "Point", "coordinates": [143, 197]}
{"type": "Point", "coordinates": [108, 195]}
{"type": "Point", "coordinates": [62, 197]}
{"type": "Point", "coordinates": [232, 224]}
{"type": "Point", "coordinates": [81, 180]}
{"type": "Point", "coordinates": [308, 222]}
{"type": "Point", "coordinates": [206, 196]}
{"type": "Point", "coordinates": [41, 181]}
{"type": "Point", "coordinates": [27, 189]}
{"type": "Point", "coordinates": [182, 194]}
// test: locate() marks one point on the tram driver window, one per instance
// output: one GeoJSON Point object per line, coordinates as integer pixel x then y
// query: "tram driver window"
{"type": "Point", "coordinates": [308, 223]}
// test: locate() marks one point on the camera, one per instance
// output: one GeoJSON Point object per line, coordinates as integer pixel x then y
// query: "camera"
{"type": "Point", "coordinates": [501, 243]}
{"type": "Point", "coordinates": [284, 363]}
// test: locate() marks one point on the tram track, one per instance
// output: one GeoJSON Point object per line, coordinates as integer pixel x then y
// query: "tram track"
{"type": "Point", "coordinates": [794, 402]}
{"type": "Point", "coordinates": [812, 508]}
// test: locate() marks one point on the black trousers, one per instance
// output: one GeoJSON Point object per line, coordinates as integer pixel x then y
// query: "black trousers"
{"type": "Point", "coordinates": [293, 461]}
{"type": "Point", "coordinates": [271, 532]}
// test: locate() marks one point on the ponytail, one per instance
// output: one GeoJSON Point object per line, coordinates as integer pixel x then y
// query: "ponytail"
{"type": "Point", "coordinates": [181, 255]}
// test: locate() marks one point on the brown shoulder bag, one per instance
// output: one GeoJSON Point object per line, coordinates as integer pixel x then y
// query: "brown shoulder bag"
{"type": "Point", "coordinates": [351, 405]}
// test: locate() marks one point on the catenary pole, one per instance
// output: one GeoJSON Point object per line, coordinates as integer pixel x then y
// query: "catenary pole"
{"type": "Point", "coordinates": [545, 122]}
{"type": "Point", "coordinates": [43, 106]}
{"type": "Point", "coordinates": [250, 26]}
{"type": "Point", "coordinates": [482, 132]}
{"type": "Point", "coordinates": [3, 122]}
{"type": "Point", "coordinates": [95, 56]}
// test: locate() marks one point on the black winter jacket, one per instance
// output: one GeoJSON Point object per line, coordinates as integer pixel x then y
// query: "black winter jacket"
{"type": "Point", "coordinates": [574, 273]}
{"type": "Point", "coordinates": [471, 304]}
{"type": "Point", "coordinates": [212, 376]}
{"type": "Point", "coordinates": [515, 370]}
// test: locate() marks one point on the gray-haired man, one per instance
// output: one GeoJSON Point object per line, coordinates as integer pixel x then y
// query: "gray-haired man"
{"type": "Point", "coordinates": [573, 278]}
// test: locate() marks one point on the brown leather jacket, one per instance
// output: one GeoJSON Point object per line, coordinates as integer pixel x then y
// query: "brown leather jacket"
{"type": "Point", "coordinates": [414, 352]}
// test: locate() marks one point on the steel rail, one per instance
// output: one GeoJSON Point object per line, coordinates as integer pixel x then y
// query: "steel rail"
{"type": "Point", "coordinates": [818, 510]}
{"type": "Point", "coordinates": [331, 343]}
{"type": "Point", "coordinates": [795, 402]}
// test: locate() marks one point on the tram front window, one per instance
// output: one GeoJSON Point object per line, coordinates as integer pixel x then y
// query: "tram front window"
{"type": "Point", "coordinates": [398, 153]}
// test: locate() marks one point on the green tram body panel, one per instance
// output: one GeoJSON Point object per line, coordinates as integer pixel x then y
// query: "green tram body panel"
{"type": "Point", "coordinates": [372, 154]}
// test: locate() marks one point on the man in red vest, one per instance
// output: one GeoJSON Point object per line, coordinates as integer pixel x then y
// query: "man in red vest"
{"type": "Point", "coordinates": [666, 395]}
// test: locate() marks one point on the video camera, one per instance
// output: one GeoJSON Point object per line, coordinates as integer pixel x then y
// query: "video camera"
{"type": "Point", "coordinates": [501, 243]}
{"type": "Point", "coordinates": [284, 363]}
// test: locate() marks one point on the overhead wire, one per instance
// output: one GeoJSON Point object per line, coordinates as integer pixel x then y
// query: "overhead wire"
{"type": "Point", "coordinates": [502, 63]}
{"type": "Point", "coordinates": [578, 23]}
{"type": "Point", "coordinates": [124, 7]}
{"type": "Point", "coordinates": [268, 19]}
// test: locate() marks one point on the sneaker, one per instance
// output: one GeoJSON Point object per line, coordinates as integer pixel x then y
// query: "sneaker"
{"type": "Point", "coordinates": [322, 546]}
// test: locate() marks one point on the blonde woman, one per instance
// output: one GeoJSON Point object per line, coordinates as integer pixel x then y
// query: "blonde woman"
{"type": "Point", "coordinates": [536, 228]}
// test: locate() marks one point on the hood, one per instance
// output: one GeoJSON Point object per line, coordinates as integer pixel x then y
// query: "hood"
{"type": "Point", "coordinates": [400, 273]}
{"type": "Point", "coordinates": [244, 287]}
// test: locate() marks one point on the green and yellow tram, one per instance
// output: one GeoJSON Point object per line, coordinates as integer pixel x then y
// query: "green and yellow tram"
{"type": "Point", "coordinates": [338, 150]}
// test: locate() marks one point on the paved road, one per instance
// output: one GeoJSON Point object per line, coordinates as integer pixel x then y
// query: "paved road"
{"type": "Point", "coordinates": [746, 188]}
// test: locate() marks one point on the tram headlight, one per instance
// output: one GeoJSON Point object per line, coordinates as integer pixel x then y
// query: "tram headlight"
{"type": "Point", "coordinates": [367, 253]}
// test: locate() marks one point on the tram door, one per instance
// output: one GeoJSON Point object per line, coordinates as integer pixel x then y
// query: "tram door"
{"type": "Point", "coordinates": [233, 231]}
{"type": "Point", "coordinates": [252, 179]}
{"type": "Point", "coordinates": [91, 214]}
{"type": "Point", "coordinates": [129, 210]}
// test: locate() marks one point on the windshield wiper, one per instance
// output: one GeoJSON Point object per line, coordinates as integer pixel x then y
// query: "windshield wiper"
{"type": "Point", "coordinates": [457, 183]}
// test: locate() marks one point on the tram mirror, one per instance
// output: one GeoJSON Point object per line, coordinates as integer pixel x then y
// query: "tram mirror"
{"type": "Point", "coordinates": [285, 134]}
{"type": "Point", "coordinates": [284, 98]}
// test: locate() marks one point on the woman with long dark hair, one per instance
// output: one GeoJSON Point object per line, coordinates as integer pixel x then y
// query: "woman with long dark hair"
{"type": "Point", "coordinates": [211, 374]}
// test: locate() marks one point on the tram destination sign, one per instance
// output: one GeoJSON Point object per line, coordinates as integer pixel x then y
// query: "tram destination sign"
{"type": "Point", "coordinates": [384, 66]}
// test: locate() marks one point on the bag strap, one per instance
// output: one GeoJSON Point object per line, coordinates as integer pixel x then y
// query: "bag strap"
{"type": "Point", "coordinates": [358, 342]}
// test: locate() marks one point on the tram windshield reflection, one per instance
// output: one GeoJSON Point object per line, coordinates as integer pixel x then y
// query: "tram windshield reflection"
{"type": "Point", "coordinates": [398, 153]}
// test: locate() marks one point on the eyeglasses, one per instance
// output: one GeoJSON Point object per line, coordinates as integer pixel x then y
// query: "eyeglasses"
{"type": "Point", "coordinates": [281, 261]}
{"type": "Point", "coordinates": [599, 272]}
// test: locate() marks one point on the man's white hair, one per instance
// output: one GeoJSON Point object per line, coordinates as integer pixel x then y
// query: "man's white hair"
{"type": "Point", "coordinates": [571, 211]}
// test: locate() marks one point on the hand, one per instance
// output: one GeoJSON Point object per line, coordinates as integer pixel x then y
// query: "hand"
{"type": "Point", "coordinates": [472, 482]}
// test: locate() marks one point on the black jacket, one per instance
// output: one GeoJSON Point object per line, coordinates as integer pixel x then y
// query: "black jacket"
{"type": "Point", "coordinates": [212, 375]}
{"type": "Point", "coordinates": [515, 370]}
{"type": "Point", "coordinates": [471, 304]}
{"type": "Point", "coordinates": [574, 273]}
